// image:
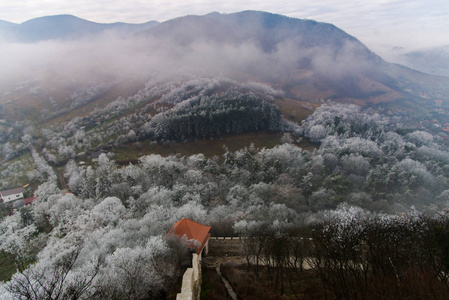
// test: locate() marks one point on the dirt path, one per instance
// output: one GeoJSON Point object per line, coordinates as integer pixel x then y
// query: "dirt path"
{"type": "Point", "coordinates": [231, 292]}
{"type": "Point", "coordinates": [224, 251]}
{"type": "Point", "coordinates": [61, 179]}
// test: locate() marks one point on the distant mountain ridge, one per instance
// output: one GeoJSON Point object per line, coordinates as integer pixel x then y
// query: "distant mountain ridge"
{"type": "Point", "coordinates": [6, 24]}
{"type": "Point", "coordinates": [308, 60]}
{"type": "Point", "coordinates": [433, 61]}
{"type": "Point", "coordinates": [63, 27]}
{"type": "Point", "coordinates": [267, 28]}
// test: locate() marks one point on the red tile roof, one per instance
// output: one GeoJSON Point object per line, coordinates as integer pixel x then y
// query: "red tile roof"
{"type": "Point", "coordinates": [30, 200]}
{"type": "Point", "coordinates": [193, 231]}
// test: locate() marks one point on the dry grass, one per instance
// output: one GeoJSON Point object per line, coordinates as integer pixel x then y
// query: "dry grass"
{"type": "Point", "coordinates": [209, 148]}
{"type": "Point", "coordinates": [212, 287]}
{"type": "Point", "coordinates": [17, 171]}
{"type": "Point", "coordinates": [294, 110]}
{"type": "Point", "coordinates": [123, 89]}
{"type": "Point", "coordinates": [249, 286]}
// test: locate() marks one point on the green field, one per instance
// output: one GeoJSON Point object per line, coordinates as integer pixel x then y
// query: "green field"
{"type": "Point", "coordinates": [14, 172]}
{"type": "Point", "coordinates": [7, 266]}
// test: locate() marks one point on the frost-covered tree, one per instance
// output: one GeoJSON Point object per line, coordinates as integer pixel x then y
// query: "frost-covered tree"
{"type": "Point", "coordinates": [45, 190]}
{"type": "Point", "coordinates": [22, 242]}
{"type": "Point", "coordinates": [137, 273]}
{"type": "Point", "coordinates": [55, 278]}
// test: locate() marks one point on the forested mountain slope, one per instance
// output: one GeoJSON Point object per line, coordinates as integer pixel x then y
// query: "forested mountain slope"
{"type": "Point", "coordinates": [114, 217]}
{"type": "Point", "coordinates": [195, 77]}
{"type": "Point", "coordinates": [308, 60]}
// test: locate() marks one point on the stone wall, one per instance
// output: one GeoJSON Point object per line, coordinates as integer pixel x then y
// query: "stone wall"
{"type": "Point", "coordinates": [191, 281]}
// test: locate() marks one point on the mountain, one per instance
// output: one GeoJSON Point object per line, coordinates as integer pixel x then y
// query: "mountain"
{"type": "Point", "coordinates": [433, 61]}
{"type": "Point", "coordinates": [64, 27]}
{"type": "Point", "coordinates": [309, 61]}
{"type": "Point", "coordinates": [193, 79]}
{"type": "Point", "coordinates": [6, 24]}
{"type": "Point", "coordinates": [266, 29]}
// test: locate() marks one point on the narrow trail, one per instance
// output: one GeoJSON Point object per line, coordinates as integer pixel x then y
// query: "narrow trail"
{"type": "Point", "coordinates": [231, 292]}
{"type": "Point", "coordinates": [224, 250]}
{"type": "Point", "coordinates": [61, 179]}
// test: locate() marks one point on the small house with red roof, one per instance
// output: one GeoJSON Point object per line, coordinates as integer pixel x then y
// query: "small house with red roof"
{"type": "Point", "coordinates": [21, 202]}
{"type": "Point", "coordinates": [197, 234]}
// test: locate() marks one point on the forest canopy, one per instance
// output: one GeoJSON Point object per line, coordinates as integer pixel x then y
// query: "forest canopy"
{"type": "Point", "coordinates": [114, 216]}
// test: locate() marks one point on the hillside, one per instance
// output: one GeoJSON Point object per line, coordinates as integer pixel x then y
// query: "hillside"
{"type": "Point", "coordinates": [308, 60]}
{"type": "Point", "coordinates": [194, 77]}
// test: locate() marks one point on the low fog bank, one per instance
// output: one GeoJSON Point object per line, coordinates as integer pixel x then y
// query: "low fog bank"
{"type": "Point", "coordinates": [111, 57]}
{"type": "Point", "coordinates": [102, 57]}
{"type": "Point", "coordinates": [434, 60]}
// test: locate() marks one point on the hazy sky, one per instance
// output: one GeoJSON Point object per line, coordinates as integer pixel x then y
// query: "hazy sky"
{"type": "Point", "coordinates": [380, 24]}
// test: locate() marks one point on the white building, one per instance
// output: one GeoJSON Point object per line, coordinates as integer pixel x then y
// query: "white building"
{"type": "Point", "coordinates": [12, 195]}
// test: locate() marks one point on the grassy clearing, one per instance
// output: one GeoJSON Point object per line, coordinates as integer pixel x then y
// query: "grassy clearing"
{"type": "Point", "coordinates": [212, 287]}
{"type": "Point", "coordinates": [248, 285]}
{"type": "Point", "coordinates": [13, 173]}
{"type": "Point", "coordinates": [123, 89]}
{"type": "Point", "coordinates": [294, 110]}
{"type": "Point", "coordinates": [209, 148]}
{"type": "Point", "coordinates": [18, 111]}
{"type": "Point", "coordinates": [307, 145]}
{"type": "Point", "coordinates": [7, 266]}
